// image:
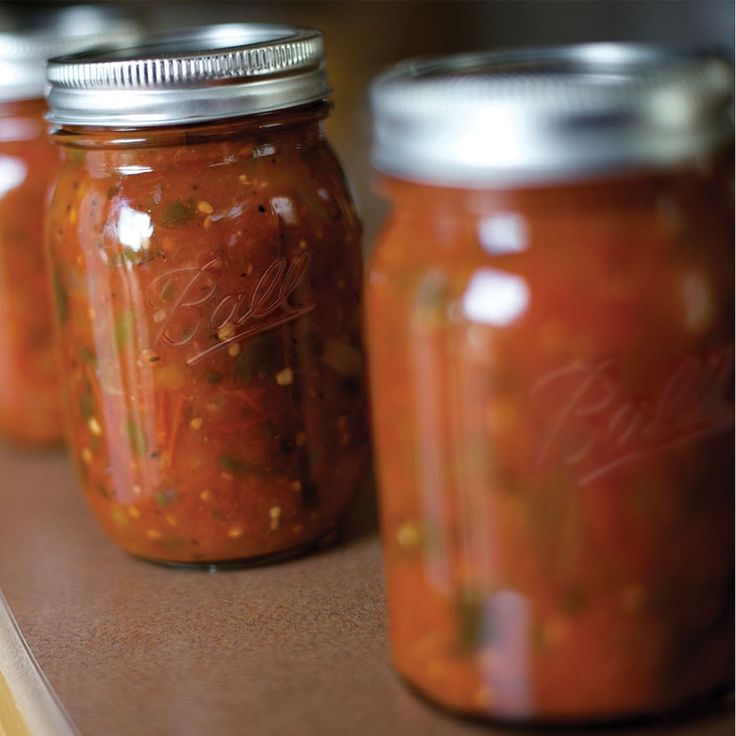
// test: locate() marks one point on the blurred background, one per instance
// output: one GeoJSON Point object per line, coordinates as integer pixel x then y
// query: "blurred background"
{"type": "Point", "coordinates": [365, 36]}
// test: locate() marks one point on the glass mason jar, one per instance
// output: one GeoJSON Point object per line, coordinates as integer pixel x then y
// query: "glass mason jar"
{"type": "Point", "coordinates": [206, 256]}
{"type": "Point", "coordinates": [550, 322]}
{"type": "Point", "coordinates": [30, 407]}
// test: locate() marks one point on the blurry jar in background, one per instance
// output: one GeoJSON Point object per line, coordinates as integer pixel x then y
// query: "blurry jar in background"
{"type": "Point", "coordinates": [30, 406]}
{"type": "Point", "coordinates": [550, 321]}
{"type": "Point", "coordinates": [207, 256]}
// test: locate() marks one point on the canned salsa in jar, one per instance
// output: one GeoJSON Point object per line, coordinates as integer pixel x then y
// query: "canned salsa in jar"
{"type": "Point", "coordinates": [550, 318]}
{"type": "Point", "coordinates": [207, 260]}
{"type": "Point", "coordinates": [30, 405]}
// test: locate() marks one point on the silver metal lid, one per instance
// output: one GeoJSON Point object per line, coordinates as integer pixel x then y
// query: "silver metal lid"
{"type": "Point", "coordinates": [190, 76]}
{"type": "Point", "coordinates": [24, 51]}
{"type": "Point", "coordinates": [547, 114]}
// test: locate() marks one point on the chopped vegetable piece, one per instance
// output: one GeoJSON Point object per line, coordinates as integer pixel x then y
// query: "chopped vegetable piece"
{"type": "Point", "coordinates": [137, 440]}
{"type": "Point", "coordinates": [285, 377]}
{"type": "Point", "coordinates": [257, 359]}
{"type": "Point", "coordinates": [87, 356]}
{"type": "Point", "coordinates": [86, 405]}
{"type": "Point", "coordinates": [407, 535]}
{"type": "Point", "coordinates": [471, 622]}
{"type": "Point", "coordinates": [124, 328]}
{"type": "Point", "coordinates": [61, 297]}
{"type": "Point", "coordinates": [235, 465]}
{"type": "Point", "coordinates": [342, 358]}
{"type": "Point", "coordinates": [166, 497]}
{"type": "Point", "coordinates": [178, 214]}
{"type": "Point", "coordinates": [213, 378]}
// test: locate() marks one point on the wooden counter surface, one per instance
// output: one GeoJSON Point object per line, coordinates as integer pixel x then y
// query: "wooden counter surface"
{"type": "Point", "coordinates": [134, 649]}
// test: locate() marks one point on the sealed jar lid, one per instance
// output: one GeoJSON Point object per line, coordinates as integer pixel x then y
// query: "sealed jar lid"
{"type": "Point", "coordinates": [547, 114]}
{"type": "Point", "coordinates": [190, 76]}
{"type": "Point", "coordinates": [24, 50]}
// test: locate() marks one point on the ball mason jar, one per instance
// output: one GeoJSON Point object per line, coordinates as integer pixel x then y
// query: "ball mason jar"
{"type": "Point", "coordinates": [206, 255]}
{"type": "Point", "coordinates": [30, 405]}
{"type": "Point", "coordinates": [550, 323]}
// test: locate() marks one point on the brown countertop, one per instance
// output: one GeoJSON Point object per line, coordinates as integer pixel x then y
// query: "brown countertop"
{"type": "Point", "coordinates": [133, 648]}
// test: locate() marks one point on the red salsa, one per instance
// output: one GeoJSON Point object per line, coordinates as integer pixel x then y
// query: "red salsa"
{"type": "Point", "coordinates": [30, 408]}
{"type": "Point", "coordinates": [208, 292]}
{"type": "Point", "coordinates": [552, 380]}
{"type": "Point", "coordinates": [30, 402]}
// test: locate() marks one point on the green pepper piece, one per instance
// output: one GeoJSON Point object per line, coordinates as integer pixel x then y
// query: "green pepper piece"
{"type": "Point", "coordinates": [124, 328]}
{"type": "Point", "coordinates": [432, 294]}
{"type": "Point", "coordinates": [134, 256]}
{"type": "Point", "coordinates": [77, 155]}
{"type": "Point", "coordinates": [258, 358]}
{"type": "Point", "coordinates": [469, 620]}
{"type": "Point", "coordinates": [61, 297]}
{"type": "Point", "coordinates": [166, 497]}
{"type": "Point", "coordinates": [86, 404]}
{"type": "Point", "coordinates": [137, 440]}
{"type": "Point", "coordinates": [178, 213]}
{"type": "Point", "coordinates": [342, 358]}
{"type": "Point", "coordinates": [88, 356]}
{"type": "Point", "coordinates": [235, 465]}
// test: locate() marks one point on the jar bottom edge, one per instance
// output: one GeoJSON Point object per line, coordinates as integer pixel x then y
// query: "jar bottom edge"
{"type": "Point", "coordinates": [716, 701]}
{"type": "Point", "coordinates": [326, 539]}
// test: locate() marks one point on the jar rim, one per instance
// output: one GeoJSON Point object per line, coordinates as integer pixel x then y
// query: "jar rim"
{"type": "Point", "coordinates": [25, 49]}
{"type": "Point", "coordinates": [189, 76]}
{"type": "Point", "coordinates": [533, 115]}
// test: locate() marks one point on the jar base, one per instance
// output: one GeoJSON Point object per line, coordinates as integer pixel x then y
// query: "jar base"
{"type": "Point", "coordinates": [31, 442]}
{"type": "Point", "coordinates": [327, 539]}
{"type": "Point", "coordinates": [713, 702]}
